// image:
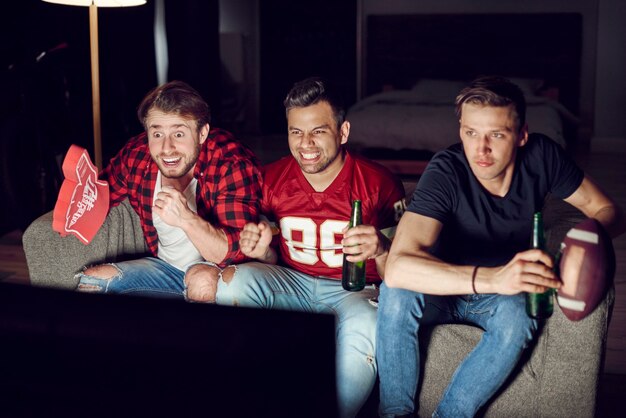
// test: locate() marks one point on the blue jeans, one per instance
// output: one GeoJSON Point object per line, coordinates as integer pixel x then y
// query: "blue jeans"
{"type": "Point", "coordinates": [275, 287]}
{"type": "Point", "coordinates": [147, 276]}
{"type": "Point", "coordinates": [508, 330]}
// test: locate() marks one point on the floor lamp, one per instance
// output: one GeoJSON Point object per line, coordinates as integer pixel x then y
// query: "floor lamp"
{"type": "Point", "coordinates": [95, 66]}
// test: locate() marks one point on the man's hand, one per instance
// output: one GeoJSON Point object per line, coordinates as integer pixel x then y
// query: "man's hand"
{"type": "Point", "coordinates": [171, 206]}
{"type": "Point", "coordinates": [529, 271]}
{"type": "Point", "coordinates": [364, 242]}
{"type": "Point", "coordinates": [255, 239]}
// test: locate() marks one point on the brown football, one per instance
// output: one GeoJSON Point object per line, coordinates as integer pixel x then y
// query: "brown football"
{"type": "Point", "coordinates": [587, 266]}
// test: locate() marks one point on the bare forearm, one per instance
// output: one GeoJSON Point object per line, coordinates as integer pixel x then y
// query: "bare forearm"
{"type": "Point", "coordinates": [211, 242]}
{"type": "Point", "coordinates": [612, 218]}
{"type": "Point", "coordinates": [594, 203]}
{"type": "Point", "coordinates": [426, 274]}
{"type": "Point", "coordinates": [410, 265]}
{"type": "Point", "coordinates": [270, 256]}
{"type": "Point", "coordinates": [381, 259]}
{"type": "Point", "coordinates": [381, 262]}
{"type": "Point", "coordinates": [527, 271]}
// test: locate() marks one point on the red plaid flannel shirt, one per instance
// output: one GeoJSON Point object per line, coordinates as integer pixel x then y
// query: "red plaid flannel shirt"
{"type": "Point", "coordinates": [228, 193]}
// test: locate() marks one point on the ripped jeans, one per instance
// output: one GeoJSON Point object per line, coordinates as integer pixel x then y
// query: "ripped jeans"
{"type": "Point", "coordinates": [149, 276]}
{"type": "Point", "coordinates": [275, 287]}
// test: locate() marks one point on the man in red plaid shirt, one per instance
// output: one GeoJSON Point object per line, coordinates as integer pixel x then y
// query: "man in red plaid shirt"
{"type": "Point", "coordinates": [193, 187]}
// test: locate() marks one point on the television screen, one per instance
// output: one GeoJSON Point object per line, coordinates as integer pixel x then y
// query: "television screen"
{"type": "Point", "coordinates": [69, 354]}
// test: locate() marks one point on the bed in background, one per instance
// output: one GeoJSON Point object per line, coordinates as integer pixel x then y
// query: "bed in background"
{"type": "Point", "coordinates": [415, 65]}
{"type": "Point", "coordinates": [423, 117]}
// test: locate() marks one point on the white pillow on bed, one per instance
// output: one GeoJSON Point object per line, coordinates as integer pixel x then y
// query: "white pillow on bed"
{"type": "Point", "coordinates": [433, 90]}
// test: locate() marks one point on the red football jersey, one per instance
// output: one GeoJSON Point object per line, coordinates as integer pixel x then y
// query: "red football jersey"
{"type": "Point", "coordinates": [311, 222]}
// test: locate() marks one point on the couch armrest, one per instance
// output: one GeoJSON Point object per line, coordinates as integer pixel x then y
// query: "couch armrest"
{"type": "Point", "coordinates": [54, 260]}
{"type": "Point", "coordinates": [570, 360]}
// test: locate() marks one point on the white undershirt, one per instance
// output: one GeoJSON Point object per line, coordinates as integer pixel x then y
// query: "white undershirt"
{"type": "Point", "coordinates": [174, 245]}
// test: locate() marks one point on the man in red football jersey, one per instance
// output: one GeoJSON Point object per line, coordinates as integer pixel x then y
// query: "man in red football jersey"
{"type": "Point", "coordinates": [307, 200]}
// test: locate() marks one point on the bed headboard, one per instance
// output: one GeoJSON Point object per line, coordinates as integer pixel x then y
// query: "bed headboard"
{"type": "Point", "coordinates": [400, 49]}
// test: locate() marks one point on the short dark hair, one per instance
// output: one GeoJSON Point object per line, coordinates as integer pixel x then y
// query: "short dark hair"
{"type": "Point", "coordinates": [313, 90]}
{"type": "Point", "coordinates": [494, 91]}
{"type": "Point", "coordinates": [176, 97]}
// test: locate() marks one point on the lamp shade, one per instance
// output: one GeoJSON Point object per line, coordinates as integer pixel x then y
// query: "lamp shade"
{"type": "Point", "coordinates": [99, 3]}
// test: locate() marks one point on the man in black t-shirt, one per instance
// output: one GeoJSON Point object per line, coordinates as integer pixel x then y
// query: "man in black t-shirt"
{"type": "Point", "coordinates": [461, 254]}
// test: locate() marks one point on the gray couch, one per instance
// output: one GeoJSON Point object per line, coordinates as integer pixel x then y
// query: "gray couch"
{"type": "Point", "coordinates": [558, 378]}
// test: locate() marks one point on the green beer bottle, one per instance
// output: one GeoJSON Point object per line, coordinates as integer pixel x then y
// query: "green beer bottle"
{"type": "Point", "coordinates": [353, 274]}
{"type": "Point", "coordinates": [539, 305]}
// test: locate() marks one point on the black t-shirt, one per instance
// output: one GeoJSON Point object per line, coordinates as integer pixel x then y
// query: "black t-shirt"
{"type": "Point", "coordinates": [482, 229]}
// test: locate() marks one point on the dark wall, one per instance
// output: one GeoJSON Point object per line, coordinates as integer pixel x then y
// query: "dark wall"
{"type": "Point", "coordinates": [194, 47]}
{"type": "Point", "coordinates": [301, 40]}
{"type": "Point", "coordinates": [45, 91]}
{"type": "Point", "coordinates": [62, 78]}
{"type": "Point", "coordinates": [45, 102]}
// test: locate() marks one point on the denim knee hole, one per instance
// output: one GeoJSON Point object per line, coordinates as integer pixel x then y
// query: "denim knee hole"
{"type": "Point", "coordinates": [91, 282]}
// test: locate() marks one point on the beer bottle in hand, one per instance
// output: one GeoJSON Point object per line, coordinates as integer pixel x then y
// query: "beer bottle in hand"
{"type": "Point", "coordinates": [353, 274]}
{"type": "Point", "coordinates": [539, 305]}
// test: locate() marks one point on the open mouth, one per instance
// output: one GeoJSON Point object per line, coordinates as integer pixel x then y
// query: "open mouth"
{"type": "Point", "coordinates": [171, 161]}
{"type": "Point", "coordinates": [310, 156]}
